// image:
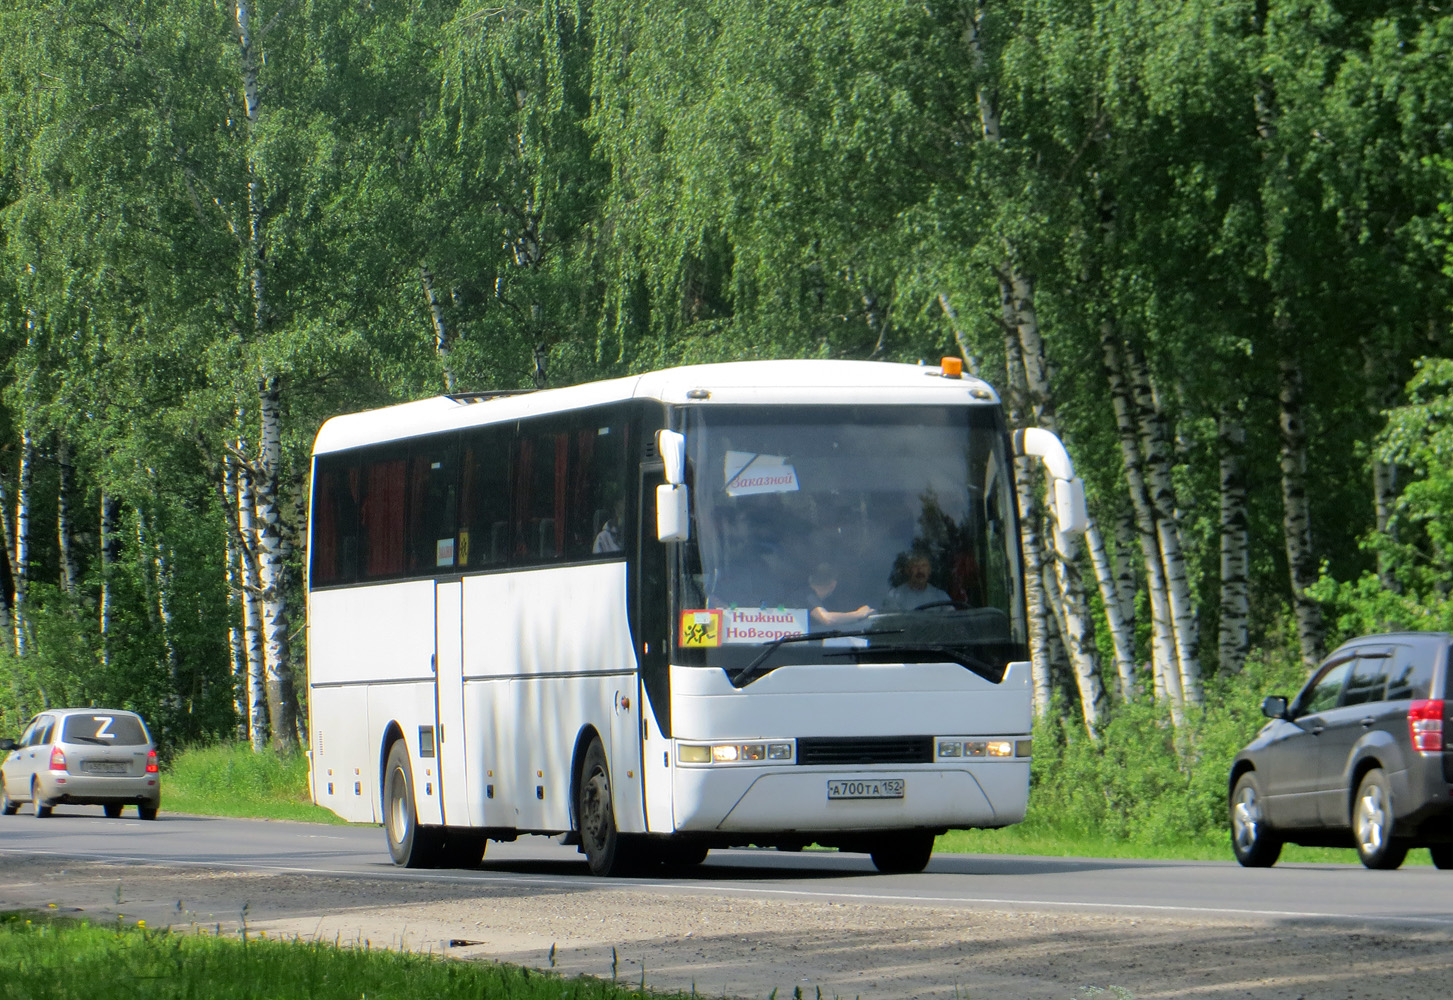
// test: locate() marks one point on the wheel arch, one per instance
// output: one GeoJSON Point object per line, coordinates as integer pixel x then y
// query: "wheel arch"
{"type": "Point", "coordinates": [1238, 768]}
{"type": "Point", "coordinates": [392, 733]}
{"type": "Point", "coordinates": [1359, 771]}
{"type": "Point", "coordinates": [588, 734]}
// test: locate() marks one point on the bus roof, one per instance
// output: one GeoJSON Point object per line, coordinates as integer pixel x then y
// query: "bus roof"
{"type": "Point", "coordinates": [798, 381]}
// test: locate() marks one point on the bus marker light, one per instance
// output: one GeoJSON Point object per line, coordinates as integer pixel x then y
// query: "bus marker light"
{"type": "Point", "coordinates": [952, 367]}
{"type": "Point", "coordinates": [1001, 748]}
{"type": "Point", "coordinates": [724, 753]}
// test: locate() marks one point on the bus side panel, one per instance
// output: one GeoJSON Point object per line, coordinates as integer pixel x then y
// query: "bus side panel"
{"type": "Point", "coordinates": [378, 640]}
{"type": "Point", "coordinates": [561, 637]}
{"type": "Point", "coordinates": [656, 765]}
{"type": "Point", "coordinates": [342, 762]}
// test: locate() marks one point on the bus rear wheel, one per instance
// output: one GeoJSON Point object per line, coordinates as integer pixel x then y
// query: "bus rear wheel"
{"type": "Point", "coordinates": [409, 844]}
{"type": "Point", "coordinates": [606, 851]}
{"type": "Point", "coordinates": [905, 853]}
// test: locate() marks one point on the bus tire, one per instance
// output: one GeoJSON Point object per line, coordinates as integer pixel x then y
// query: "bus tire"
{"type": "Point", "coordinates": [409, 844]}
{"type": "Point", "coordinates": [462, 848]}
{"type": "Point", "coordinates": [606, 851]}
{"type": "Point", "coordinates": [904, 853]}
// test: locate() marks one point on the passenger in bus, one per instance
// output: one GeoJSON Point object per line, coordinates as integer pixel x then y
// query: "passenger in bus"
{"type": "Point", "coordinates": [915, 591]}
{"type": "Point", "coordinates": [608, 538]}
{"type": "Point", "coordinates": [821, 584]}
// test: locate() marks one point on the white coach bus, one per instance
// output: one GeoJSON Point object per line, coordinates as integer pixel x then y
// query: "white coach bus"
{"type": "Point", "coordinates": [773, 603]}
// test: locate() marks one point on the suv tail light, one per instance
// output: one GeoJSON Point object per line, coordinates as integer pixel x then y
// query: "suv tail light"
{"type": "Point", "coordinates": [151, 762]}
{"type": "Point", "coordinates": [57, 759]}
{"type": "Point", "coordinates": [1425, 725]}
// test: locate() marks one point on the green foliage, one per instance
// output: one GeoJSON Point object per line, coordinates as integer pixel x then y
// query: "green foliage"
{"type": "Point", "coordinates": [1143, 781]}
{"type": "Point", "coordinates": [77, 960]}
{"type": "Point", "coordinates": [230, 779]}
{"type": "Point", "coordinates": [1416, 550]}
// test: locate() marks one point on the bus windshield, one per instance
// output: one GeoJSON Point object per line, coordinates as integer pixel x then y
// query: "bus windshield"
{"type": "Point", "coordinates": [841, 534]}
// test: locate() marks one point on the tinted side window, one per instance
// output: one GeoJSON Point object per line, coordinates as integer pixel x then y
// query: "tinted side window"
{"type": "Point", "coordinates": [484, 503]}
{"type": "Point", "coordinates": [1368, 679]}
{"type": "Point", "coordinates": [1410, 674]}
{"type": "Point", "coordinates": [433, 499]}
{"type": "Point", "coordinates": [31, 736]}
{"type": "Point", "coordinates": [569, 488]}
{"type": "Point", "coordinates": [105, 730]}
{"type": "Point", "coordinates": [1322, 694]}
{"type": "Point", "coordinates": [381, 516]}
{"type": "Point", "coordinates": [333, 552]}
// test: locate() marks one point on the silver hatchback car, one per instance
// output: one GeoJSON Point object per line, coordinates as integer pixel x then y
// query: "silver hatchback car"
{"type": "Point", "coordinates": [85, 756]}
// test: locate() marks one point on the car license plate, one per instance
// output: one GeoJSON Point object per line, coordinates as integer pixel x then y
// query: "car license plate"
{"type": "Point", "coordinates": [106, 766]}
{"type": "Point", "coordinates": [867, 788]}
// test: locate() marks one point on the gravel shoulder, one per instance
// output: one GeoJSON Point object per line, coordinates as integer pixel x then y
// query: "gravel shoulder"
{"type": "Point", "coordinates": [735, 947]}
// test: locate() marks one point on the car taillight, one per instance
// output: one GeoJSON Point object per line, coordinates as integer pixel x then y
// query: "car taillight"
{"type": "Point", "coordinates": [151, 762]}
{"type": "Point", "coordinates": [57, 759]}
{"type": "Point", "coordinates": [1425, 725]}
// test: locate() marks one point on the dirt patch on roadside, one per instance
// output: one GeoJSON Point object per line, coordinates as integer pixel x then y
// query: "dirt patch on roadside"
{"type": "Point", "coordinates": [736, 947]}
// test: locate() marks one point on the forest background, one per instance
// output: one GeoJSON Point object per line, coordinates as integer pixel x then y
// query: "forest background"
{"type": "Point", "coordinates": [1206, 242]}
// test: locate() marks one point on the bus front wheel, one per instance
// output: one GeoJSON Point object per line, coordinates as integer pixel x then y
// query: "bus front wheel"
{"type": "Point", "coordinates": [904, 853]}
{"type": "Point", "coordinates": [606, 851]}
{"type": "Point", "coordinates": [410, 845]}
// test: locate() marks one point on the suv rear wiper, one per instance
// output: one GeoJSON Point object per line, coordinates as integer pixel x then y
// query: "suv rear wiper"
{"type": "Point", "coordinates": [754, 669]}
{"type": "Point", "coordinates": [951, 653]}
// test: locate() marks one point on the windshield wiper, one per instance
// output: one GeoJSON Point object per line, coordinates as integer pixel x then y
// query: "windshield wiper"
{"type": "Point", "coordinates": [754, 669]}
{"type": "Point", "coordinates": [951, 653]}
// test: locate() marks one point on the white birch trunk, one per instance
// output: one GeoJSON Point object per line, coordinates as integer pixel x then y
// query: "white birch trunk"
{"type": "Point", "coordinates": [110, 544]}
{"type": "Point", "coordinates": [442, 342]}
{"type": "Point", "coordinates": [1127, 584]}
{"type": "Point", "coordinates": [1382, 393]}
{"type": "Point", "coordinates": [1030, 545]}
{"type": "Point", "coordinates": [1078, 637]}
{"type": "Point", "coordinates": [235, 646]}
{"type": "Point", "coordinates": [272, 572]}
{"type": "Point", "coordinates": [1156, 451]}
{"type": "Point", "coordinates": [22, 540]}
{"type": "Point", "coordinates": [70, 570]}
{"type": "Point", "coordinates": [252, 613]}
{"type": "Point", "coordinates": [1122, 639]}
{"type": "Point", "coordinates": [961, 339]}
{"type": "Point", "coordinates": [1235, 637]}
{"type": "Point", "coordinates": [1165, 669]}
{"type": "Point", "coordinates": [7, 570]}
{"type": "Point", "coordinates": [1296, 511]}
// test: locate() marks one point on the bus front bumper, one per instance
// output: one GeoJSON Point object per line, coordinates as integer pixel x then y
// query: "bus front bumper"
{"type": "Point", "coordinates": [960, 796]}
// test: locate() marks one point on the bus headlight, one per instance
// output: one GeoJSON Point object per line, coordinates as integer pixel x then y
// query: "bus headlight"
{"type": "Point", "coordinates": [949, 748]}
{"type": "Point", "coordinates": [734, 753]}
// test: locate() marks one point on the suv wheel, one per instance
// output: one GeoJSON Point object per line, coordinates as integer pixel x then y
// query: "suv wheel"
{"type": "Point", "coordinates": [1252, 840]}
{"type": "Point", "coordinates": [1372, 823]}
{"type": "Point", "coordinates": [1442, 855]}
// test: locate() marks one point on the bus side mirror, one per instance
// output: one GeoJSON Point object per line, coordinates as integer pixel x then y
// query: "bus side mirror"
{"type": "Point", "coordinates": [673, 522]}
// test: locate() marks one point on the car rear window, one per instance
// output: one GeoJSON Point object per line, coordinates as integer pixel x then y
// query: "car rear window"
{"type": "Point", "coordinates": [105, 729]}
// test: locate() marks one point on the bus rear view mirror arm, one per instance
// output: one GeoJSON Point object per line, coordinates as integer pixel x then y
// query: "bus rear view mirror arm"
{"type": "Point", "coordinates": [1070, 511]}
{"type": "Point", "coordinates": [672, 446]}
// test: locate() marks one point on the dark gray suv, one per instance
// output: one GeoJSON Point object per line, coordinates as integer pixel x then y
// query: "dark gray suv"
{"type": "Point", "coordinates": [1357, 759]}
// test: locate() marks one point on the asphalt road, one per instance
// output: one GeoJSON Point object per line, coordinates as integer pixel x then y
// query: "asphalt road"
{"type": "Point", "coordinates": [1415, 897]}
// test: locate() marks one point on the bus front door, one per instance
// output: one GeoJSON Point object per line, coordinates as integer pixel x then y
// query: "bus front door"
{"type": "Point", "coordinates": [449, 701]}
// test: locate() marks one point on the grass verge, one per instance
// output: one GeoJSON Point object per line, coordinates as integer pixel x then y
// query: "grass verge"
{"type": "Point", "coordinates": [57, 959]}
{"type": "Point", "coordinates": [232, 780]}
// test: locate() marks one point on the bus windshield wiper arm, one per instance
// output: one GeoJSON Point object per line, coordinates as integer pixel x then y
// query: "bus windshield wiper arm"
{"type": "Point", "coordinates": [951, 653]}
{"type": "Point", "coordinates": [754, 669]}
